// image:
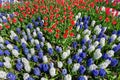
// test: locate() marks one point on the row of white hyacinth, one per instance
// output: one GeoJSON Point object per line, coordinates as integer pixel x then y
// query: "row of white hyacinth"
{"type": "Point", "coordinates": [29, 44]}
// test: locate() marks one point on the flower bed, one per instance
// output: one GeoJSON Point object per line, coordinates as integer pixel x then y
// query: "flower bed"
{"type": "Point", "coordinates": [59, 40]}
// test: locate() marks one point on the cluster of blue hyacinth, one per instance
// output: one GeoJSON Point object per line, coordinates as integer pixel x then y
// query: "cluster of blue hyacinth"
{"type": "Point", "coordinates": [27, 53]}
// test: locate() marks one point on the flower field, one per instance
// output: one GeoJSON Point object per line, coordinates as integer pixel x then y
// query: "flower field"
{"type": "Point", "coordinates": [59, 39]}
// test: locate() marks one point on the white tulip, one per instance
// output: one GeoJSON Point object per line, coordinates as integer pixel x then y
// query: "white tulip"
{"type": "Point", "coordinates": [3, 75]}
{"type": "Point", "coordinates": [68, 77]}
{"type": "Point", "coordinates": [12, 34]}
{"type": "Point", "coordinates": [110, 53]}
{"type": "Point", "coordinates": [92, 67]}
{"type": "Point", "coordinates": [52, 71]}
{"type": "Point", "coordinates": [9, 46]}
{"type": "Point", "coordinates": [45, 59]}
{"type": "Point", "coordinates": [15, 53]}
{"type": "Point", "coordinates": [26, 76]}
{"type": "Point", "coordinates": [60, 64]}
{"type": "Point", "coordinates": [76, 67]}
{"type": "Point", "coordinates": [103, 8]}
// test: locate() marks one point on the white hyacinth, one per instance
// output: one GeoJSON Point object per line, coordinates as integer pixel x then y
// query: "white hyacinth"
{"type": "Point", "coordinates": [12, 34]}
{"type": "Point", "coordinates": [78, 28]}
{"type": "Point", "coordinates": [78, 36]}
{"type": "Point", "coordinates": [64, 55]}
{"type": "Point", "coordinates": [91, 48]}
{"type": "Point", "coordinates": [45, 59]}
{"type": "Point", "coordinates": [3, 75]}
{"type": "Point", "coordinates": [23, 41]}
{"type": "Point", "coordinates": [97, 29]}
{"type": "Point", "coordinates": [38, 29]}
{"type": "Point", "coordinates": [7, 59]}
{"type": "Point", "coordinates": [79, 14]}
{"type": "Point", "coordinates": [96, 43]}
{"type": "Point", "coordinates": [52, 71]}
{"type": "Point", "coordinates": [86, 32]}
{"type": "Point", "coordinates": [28, 31]}
{"type": "Point", "coordinates": [105, 64]}
{"type": "Point", "coordinates": [114, 36]}
{"type": "Point", "coordinates": [43, 78]}
{"type": "Point", "coordinates": [118, 38]}
{"type": "Point", "coordinates": [86, 78]}
{"type": "Point", "coordinates": [93, 23]}
{"type": "Point", "coordinates": [25, 61]}
{"type": "Point", "coordinates": [34, 33]}
{"type": "Point", "coordinates": [97, 54]}
{"type": "Point", "coordinates": [37, 41]}
{"type": "Point", "coordinates": [92, 67]}
{"type": "Point", "coordinates": [26, 76]}
{"type": "Point", "coordinates": [114, 45]}
{"type": "Point", "coordinates": [102, 42]}
{"type": "Point", "coordinates": [7, 64]}
{"type": "Point", "coordinates": [9, 46]}
{"type": "Point", "coordinates": [68, 77]}
{"type": "Point", "coordinates": [32, 41]}
{"type": "Point", "coordinates": [32, 51]}
{"type": "Point", "coordinates": [110, 53]}
{"type": "Point", "coordinates": [27, 67]}
{"type": "Point", "coordinates": [15, 53]}
{"type": "Point", "coordinates": [2, 46]}
{"type": "Point", "coordinates": [79, 51]}
{"type": "Point", "coordinates": [60, 64]}
{"type": "Point", "coordinates": [48, 45]}
{"type": "Point", "coordinates": [68, 52]}
{"type": "Point", "coordinates": [1, 40]}
{"type": "Point", "coordinates": [87, 37]}
{"type": "Point", "coordinates": [76, 66]}
{"type": "Point", "coordinates": [76, 17]}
